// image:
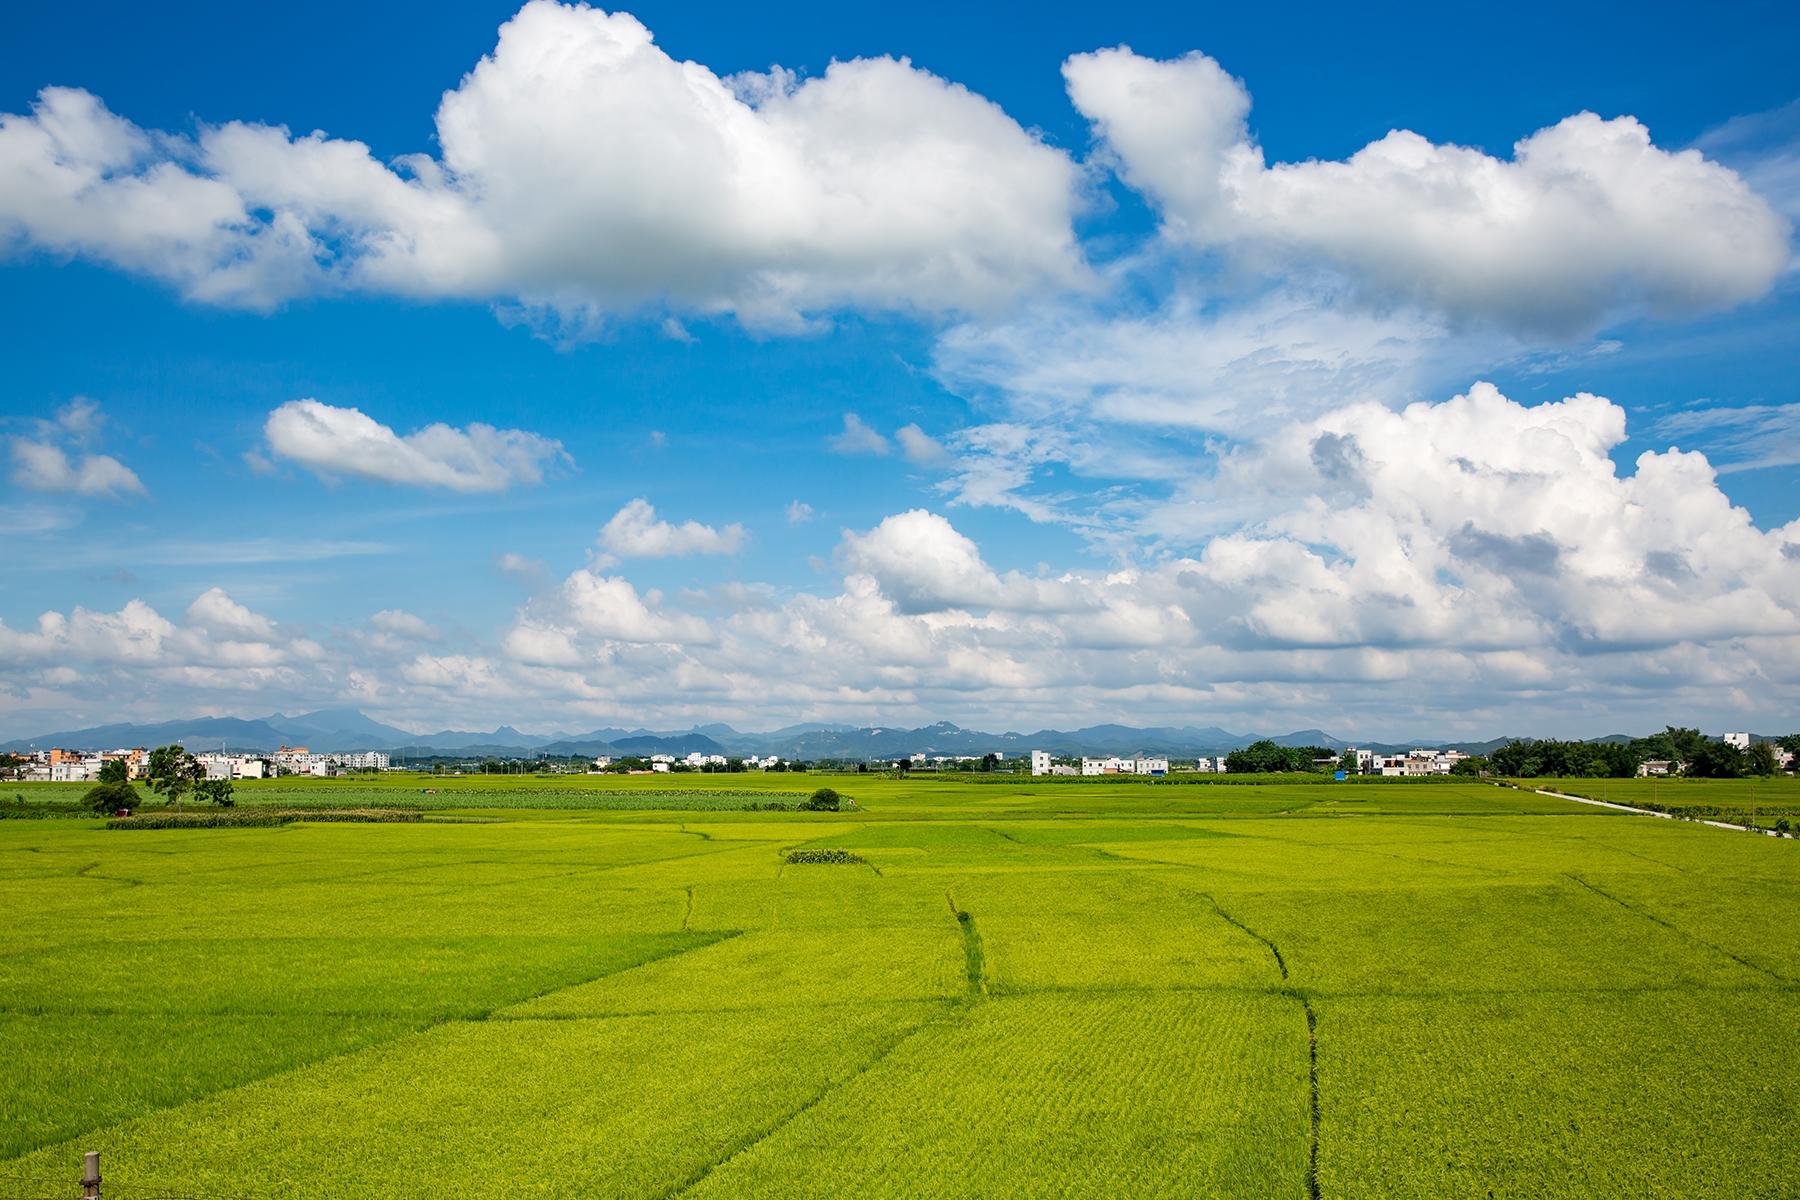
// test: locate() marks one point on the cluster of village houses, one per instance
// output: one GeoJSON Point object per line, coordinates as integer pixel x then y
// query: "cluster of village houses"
{"type": "Point", "coordinates": [75, 766]}
{"type": "Point", "coordinates": [1414, 762]}
{"type": "Point", "coordinates": [667, 762]}
{"type": "Point", "coordinates": [71, 766]}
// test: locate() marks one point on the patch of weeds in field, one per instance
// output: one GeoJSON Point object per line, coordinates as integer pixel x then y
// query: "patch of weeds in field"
{"type": "Point", "coordinates": [821, 855]}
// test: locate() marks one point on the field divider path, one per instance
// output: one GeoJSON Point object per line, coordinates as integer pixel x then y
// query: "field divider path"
{"type": "Point", "coordinates": [421, 1023]}
{"type": "Point", "coordinates": [812, 1102]}
{"type": "Point", "coordinates": [1312, 1048]}
{"type": "Point", "coordinates": [1636, 911]}
{"type": "Point", "coordinates": [974, 960]}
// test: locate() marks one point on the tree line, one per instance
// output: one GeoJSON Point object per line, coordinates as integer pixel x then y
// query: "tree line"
{"type": "Point", "coordinates": [1688, 751]}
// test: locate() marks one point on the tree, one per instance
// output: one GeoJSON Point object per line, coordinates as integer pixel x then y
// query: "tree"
{"type": "Point", "coordinates": [173, 772]}
{"type": "Point", "coordinates": [1528, 759]}
{"type": "Point", "coordinates": [1349, 762]}
{"type": "Point", "coordinates": [115, 770]}
{"type": "Point", "coordinates": [1761, 760]}
{"type": "Point", "coordinates": [10, 763]}
{"type": "Point", "coordinates": [1263, 757]}
{"type": "Point", "coordinates": [1673, 744]}
{"type": "Point", "coordinates": [1474, 765]}
{"type": "Point", "coordinates": [110, 797]}
{"type": "Point", "coordinates": [1717, 760]}
{"type": "Point", "coordinates": [216, 790]}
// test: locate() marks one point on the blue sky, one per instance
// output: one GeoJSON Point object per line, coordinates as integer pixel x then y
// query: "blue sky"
{"type": "Point", "coordinates": [1154, 467]}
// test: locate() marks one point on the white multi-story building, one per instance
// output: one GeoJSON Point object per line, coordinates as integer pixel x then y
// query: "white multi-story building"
{"type": "Point", "coordinates": [1740, 740]}
{"type": "Point", "coordinates": [232, 766]}
{"type": "Point", "coordinates": [1040, 762]}
{"type": "Point", "coordinates": [1420, 762]}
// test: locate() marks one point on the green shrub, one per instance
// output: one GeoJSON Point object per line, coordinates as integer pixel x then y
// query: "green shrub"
{"type": "Point", "coordinates": [109, 798]}
{"type": "Point", "coordinates": [823, 800]}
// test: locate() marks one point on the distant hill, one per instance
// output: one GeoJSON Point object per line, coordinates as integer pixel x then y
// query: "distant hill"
{"type": "Point", "coordinates": [347, 729]}
{"type": "Point", "coordinates": [197, 733]}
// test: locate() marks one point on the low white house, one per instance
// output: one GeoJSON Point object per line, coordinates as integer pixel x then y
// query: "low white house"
{"type": "Point", "coordinates": [1125, 766]}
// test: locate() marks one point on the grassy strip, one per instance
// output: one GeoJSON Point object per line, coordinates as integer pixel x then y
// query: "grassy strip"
{"type": "Point", "coordinates": [238, 818]}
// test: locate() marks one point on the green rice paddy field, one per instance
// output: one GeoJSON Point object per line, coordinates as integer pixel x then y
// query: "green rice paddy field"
{"type": "Point", "coordinates": [622, 987]}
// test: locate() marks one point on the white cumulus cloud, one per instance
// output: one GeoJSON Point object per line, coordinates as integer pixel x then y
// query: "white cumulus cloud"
{"type": "Point", "coordinates": [918, 446]}
{"type": "Point", "coordinates": [582, 169]}
{"type": "Point", "coordinates": [344, 441]}
{"type": "Point", "coordinates": [857, 438]}
{"type": "Point", "coordinates": [1586, 219]}
{"type": "Point", "coordinates": [45, 464]}
{"type": "Point", "coordinates": [45, 468]}
{"type": "Point", "coordinates": [635, 532]}
{"type": "Point", "coordinates": [1472, 563]}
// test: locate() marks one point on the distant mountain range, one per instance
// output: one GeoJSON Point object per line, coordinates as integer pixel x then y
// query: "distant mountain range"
{"type": "Point", "coordinates": [346, 729]}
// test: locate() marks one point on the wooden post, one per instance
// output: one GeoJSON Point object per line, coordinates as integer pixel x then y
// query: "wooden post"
{"type": "Point", "coordinates": [90, 1175]}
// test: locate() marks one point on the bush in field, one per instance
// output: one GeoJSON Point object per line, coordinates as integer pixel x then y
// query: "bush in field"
{"type": "Point", "coordinates": [109, 798]}
{"type": "Point", "coordinates": [823, 800]}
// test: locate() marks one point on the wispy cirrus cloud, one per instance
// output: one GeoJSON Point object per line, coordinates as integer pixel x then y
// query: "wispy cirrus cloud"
{"type": "Point", "coordinates": [1745, 438]}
